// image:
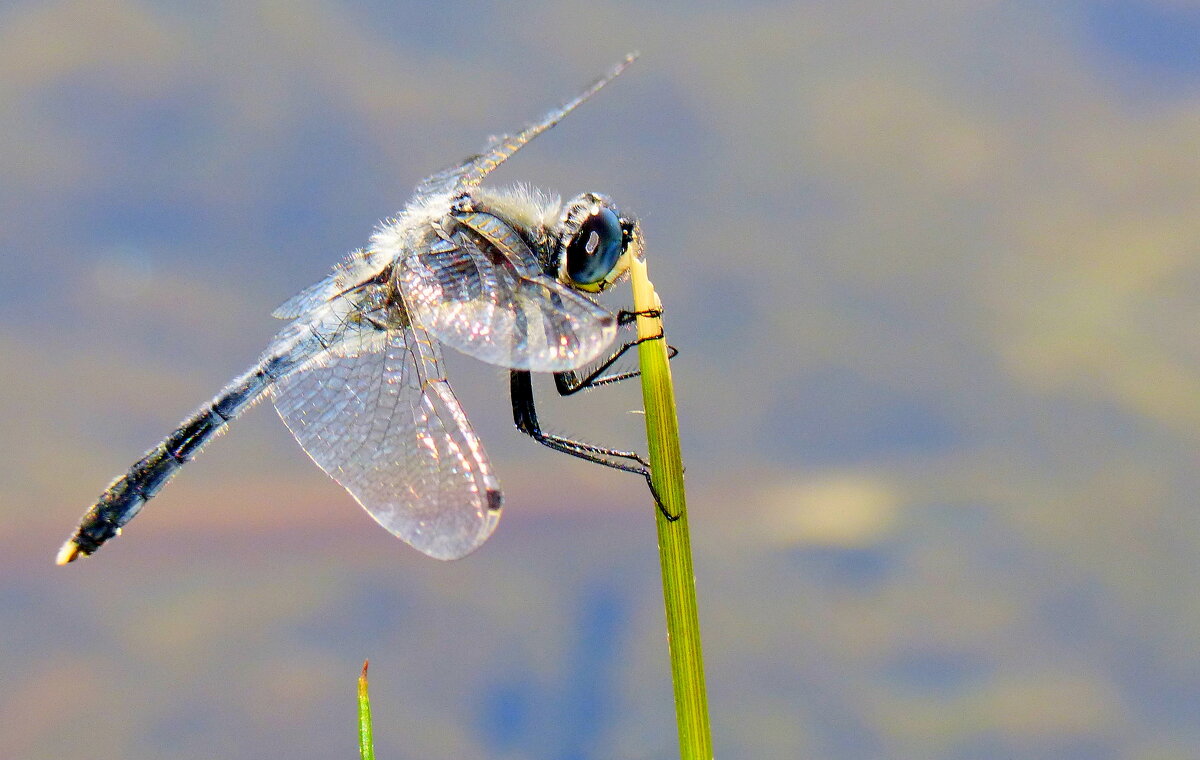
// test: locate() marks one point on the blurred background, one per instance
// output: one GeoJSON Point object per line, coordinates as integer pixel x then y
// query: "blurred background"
{"type": "Point", "coordinates": [933, 271]}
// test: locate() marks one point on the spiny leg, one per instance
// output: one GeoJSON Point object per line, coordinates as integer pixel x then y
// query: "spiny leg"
{"type": "Point", "coordinates": [572, 381]}
{"type": "Point", "coordinates": [525, 417]}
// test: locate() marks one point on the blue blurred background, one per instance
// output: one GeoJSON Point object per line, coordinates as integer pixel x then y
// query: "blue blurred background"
{"type": "Point", "coordinates": [933, 268]}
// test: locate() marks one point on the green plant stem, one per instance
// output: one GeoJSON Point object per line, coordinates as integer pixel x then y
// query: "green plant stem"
{"type": "Point", "coordinates": [366, 744]}
{"type": "Point", "coordinates": [674, 544]}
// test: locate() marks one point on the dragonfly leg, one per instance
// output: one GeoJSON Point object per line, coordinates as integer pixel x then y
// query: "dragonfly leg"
{"type": "Point", "coordinates": [573, 381]}
{"type": "Point", "coordinates": [525, 417]}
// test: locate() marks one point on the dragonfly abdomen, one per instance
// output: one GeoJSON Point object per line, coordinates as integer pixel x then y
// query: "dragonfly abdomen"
{"type": "Point", "coordinates": [124, 498]}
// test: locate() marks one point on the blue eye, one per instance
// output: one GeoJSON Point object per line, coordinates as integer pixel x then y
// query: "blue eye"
{"type": "Point", "coordinates": [594, 250]}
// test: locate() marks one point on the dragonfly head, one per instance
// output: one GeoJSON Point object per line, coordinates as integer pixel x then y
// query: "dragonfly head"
{"type": "Point", "coordinates": [595, 243]}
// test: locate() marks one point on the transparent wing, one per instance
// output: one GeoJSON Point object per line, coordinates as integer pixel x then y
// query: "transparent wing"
{"type": "Point", "coordinates": [383, 422]}
{"type": "Point", "coordinates": [471, 172]}
{"type": "Point", "coordinates": [307, 299]}
{"type": "Point", "coordinates": [501, 310]}
{"type": "Point", "coordinates": [360, 267]}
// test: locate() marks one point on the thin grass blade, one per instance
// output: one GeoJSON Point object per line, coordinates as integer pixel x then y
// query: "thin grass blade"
{"type": "Point", "coordinates": [366, 743]}
{"type": "Point", "coordinates": [674, 542]}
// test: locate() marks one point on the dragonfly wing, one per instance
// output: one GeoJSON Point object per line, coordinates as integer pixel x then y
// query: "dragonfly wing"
{"type": "Point", "coordinates": [305, 300]}
{"type": "Point", "coordinates": [360, 268]}
{"type": "Point", "coordinates": [471, 172]}
{"type": "Point", "coordinates": [383, 422]}
{"type": "Point", "coordinates": [500, 309]}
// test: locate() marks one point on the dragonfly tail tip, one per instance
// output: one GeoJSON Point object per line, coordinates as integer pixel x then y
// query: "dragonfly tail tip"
{"type": "Point", "coordinates": [69, 552]}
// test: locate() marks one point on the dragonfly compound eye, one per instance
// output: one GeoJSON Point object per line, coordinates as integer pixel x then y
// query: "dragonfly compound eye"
{"type": "Point", "coordinates": [594, 249]}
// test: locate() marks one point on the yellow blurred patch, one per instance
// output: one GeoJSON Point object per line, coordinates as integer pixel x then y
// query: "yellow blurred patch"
{"type": "Point", "coordinates": [842, 509]}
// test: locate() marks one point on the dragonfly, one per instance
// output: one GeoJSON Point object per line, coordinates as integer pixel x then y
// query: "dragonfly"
{"type": "Point", "coordinates": [507, 276]}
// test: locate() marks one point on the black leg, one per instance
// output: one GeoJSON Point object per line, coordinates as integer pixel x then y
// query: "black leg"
{"type": "Point", "coordinates": [571, 382]}
{"type": "Point", "coordinates": [525, 417]}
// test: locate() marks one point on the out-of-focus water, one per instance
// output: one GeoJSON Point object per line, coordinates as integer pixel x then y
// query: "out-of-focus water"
{"type": "Point", "coordinates": [932, 268]}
